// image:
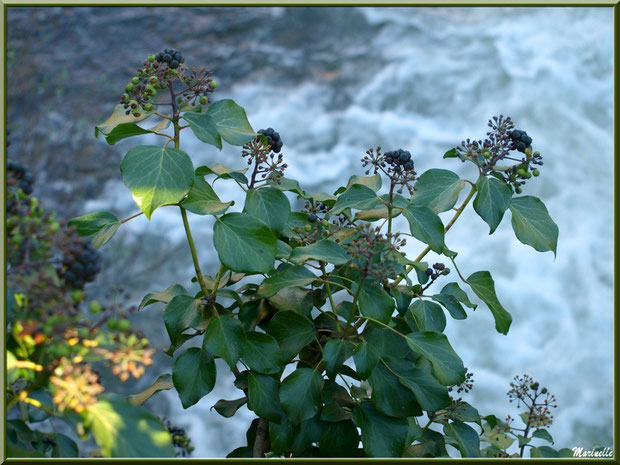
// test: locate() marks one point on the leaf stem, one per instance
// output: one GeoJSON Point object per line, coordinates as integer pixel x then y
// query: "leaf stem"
{"type": "Point", "coordinates": [329, 295]}
{"type": "Point", "coordinates": [352, 314]}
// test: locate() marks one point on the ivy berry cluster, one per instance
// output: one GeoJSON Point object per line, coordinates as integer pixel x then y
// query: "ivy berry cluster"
{"type": "Point", "coordinates": [268, 161]}
{"type": "Point", "coordinates": [81, 264]}
{"type": "Point", "coordinates": [397, 165]}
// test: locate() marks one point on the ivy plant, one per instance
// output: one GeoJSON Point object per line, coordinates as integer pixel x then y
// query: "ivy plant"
{"type": "Point", "coordinates": [335, 336]}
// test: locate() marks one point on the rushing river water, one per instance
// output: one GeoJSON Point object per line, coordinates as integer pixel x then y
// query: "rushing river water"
{"type": "Point", "coordinates": [335, 82]}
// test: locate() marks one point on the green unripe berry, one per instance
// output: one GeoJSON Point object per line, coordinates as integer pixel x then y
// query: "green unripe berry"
{"type": "Point", "coordinates": [148, 106]}
{"type": "Point", "coordinates": [123, 325]}
{"type": "Point", "coordinates": [204, 100]}
{"type": "Point", "coordinates": [21, 194]}
{"type": "Point", "coordinates": [325, 223]}
{"type": "Point", "coordinates": [137, 114]}
{"type": "Point", "coordinates": [535, 172]}
{"type": "Point", "coordinates": [416, 289]}
{"type": "Point", "coordinates": [150, 90]}
{"type": "Point", "coordinates": [213, 84]}
{"type": "Point", "coordinates": [55, 226]}
{"type": "Point", "coordinates": [94, 306]}
{"type": "Point", "coordinates": [151, 58]}
{"type": "Point", "coordinates": [153, 79]}
{"type": "Point", "coordinates": [129, 87]}
{"type": "Point", "coordinates": [521, 172]}
{"type": "Point", "coordinates": [124, 97]}
{"type": "Point", "coordinates": [308, 228]}
{"type": "Point", "coordinates": [486, 155]}
{"type": "Point", "coordinates": [527, 175]}
{"type": "Point", "coordinates": [77, 296]}
{"type": "Point", "coordinates": [17, 238]}
{"type": "Point", "coordinates": [135, 80]}
{"type": "Point", "coordinates": [112, 323]}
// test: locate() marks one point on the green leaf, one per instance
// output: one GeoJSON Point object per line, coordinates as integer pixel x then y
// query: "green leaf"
{"type": "Point", "coordinates": [204, 128]}
{"type": "Point", "coordinates": [124, 430]}
{"type": "Point", "coordinates": [431, 395]}
{"type": "Point", "coordinates": [244, 244]}
{"type": "Point", "coordinates": [309, 433]}
{"type": "Point", "coordinates": [262, 353]}
{"type": "Point", "coordinates": [289, 185]}
{"type": "Point", "coordinates": [231, 122]}
{"type": "Point", "coordinates": [283, 250]}
{"type": "Point", "coordinates": [497, 438]}
{"type": "Point", "coordinates": [374, 302]}
{"type": "Point", "coordinates": [263, 395]}
{"type": "Point", "coordinates": [450, 153]}
{"type": "Point", "coordinates": [164, 382]}
{"type": "Point", "coordinates": [532, 224]}
{"type": "Point", "coordinates": [452, 304]}
{"type": "Point", "coordinates": [323, 250]}
{"type": "Point", "coordinates": [100, 225]}
{"type": "Point", "coordinates": [466, 438]}
{"type": "Point", "coordinates": [366, 358]}
{"type": "Point", "coordinates": [300, 394]}
{"type": "Point", "coordinates": [492, 200]}
{"type": "Point", "coordinates": [164, 296]}
{"type": "Point", "coordinates": [358, 197]}
{"type": "Point", "coordinates": [64, 447]}
{"type": "Point", "coordinates": [543, 434]}
{"type": "Point", "coordinates": [428, 316]}
{"type": "Point", "coordinates": [446, 365]}
{"type": "Point", "coordinates": [339, 439]}
{"type": "Point", "coordinates": [333, 412]}
{"type": "Point", "coordinates": [183, 312]}
{"type": "Point", "coordinates": [269, 205]}
{"type": "Point", "coordinates": [465, 412]}
{"type": "Point", "coordinates": [483, 286]}
{"type": "Point", "coordinates": [281, 436]}
{"type": "Point", "coordinates": [389, 396]}
{"type": "Point", "coordinates": [438, 190]}
{"type": "Point", "coordinates": [125, 130]}
{"type": "Point", "coordinates": [157, 176]}
{"type": "Point", "coordinates": [292, 331]}
{"type": "Point", "coordinates": [227, 408]}
{"type": "Point", "coordinates": [382, 436]}
{"type": "Point", "coordinates": [426, 226]}
{"type": "Point", "coordinates": [118, 117]}
{"type": "Point", "coordinates": [193, 375]}
{"type": "Point", "coordinates": [372, 182]}
{"type": "Point", "coordinates": [294, 299]}
{"type": "Point", "coordinates": [291, 276]}
{"type": "Point", "coordinates": [223, 172]}
{"type": "Point", "coordinates": [335, 353]}
{"type": "Point", "coordinates": [432, 444]}
{"type": "Point", "coordinates": [547, 452]}
{"type": "Point", "coordinates": [202, 199]}
{"type": "Point", "coordinates": [225, 338]}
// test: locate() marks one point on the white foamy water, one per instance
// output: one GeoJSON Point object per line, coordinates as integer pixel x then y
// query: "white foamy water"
{"type": "Point", "coordinates": [433, 78]}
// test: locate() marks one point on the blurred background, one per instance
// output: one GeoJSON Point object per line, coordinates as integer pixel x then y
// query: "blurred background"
{"type": "Point", "coordinates": [335, 82]}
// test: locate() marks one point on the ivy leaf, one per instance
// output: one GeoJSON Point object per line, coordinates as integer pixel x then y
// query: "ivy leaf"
{"type": "Point", "coordinates": [293, 299]}
{"type": "Point", "coordinates": [497, 438]}
{"type": "Point", "coordinates": [366, 358]}
{"type": "Point", "coordinates": [446, 365]}
{"type": "Point", "coordinates": [426, 226]}
{"type": "Point", "coordinates": [124, 430]}
{"type": "Point", "coordinates": [231, 122]}
{"type": "Point", "coordinates": [157, 176]}
{"type": "Point", "coordinates": [466, 438]}
{"type": "Point", "coordinates": [438, 190]}
{"type": "Point", "coordinates": [227, 408]}
{"type": "Point", "coordinates": [450, 153]}
{"type": "Point", "coordinates": [335, 353]}
{"type": "Point", "coordinates": [204, 128]}
{"type": "Point", "coordinates": [428, 316]}
{"type": "Point", "coordinates": [202, 199]}
{"type": "Point", "coordinates": [323, 250]}
{"type": "Point", "coordinates": [339, 439]}
{"type": "Point", "coordinates": [118, 117]}
{"type": "Point", "coordinates": [262, 353]}
{"type": "Point", "coordinates": [532, 224]}
{"type": "Point", "coordinates": [164, 296]}
{"type": "Point", "coordinates": [244, 244]}
{"type": "Point", "coordinates": [164, 382]}
{"type": "Point", "coordinates": [225, 337]}
{"type": "Point", "coordinates": [282, 435]}
{"type": "Point", "coordinates": [300, 394]}
{"type": "Point", "coordinates": [291, 276]}
{"type": "Point", "coordinates": [269, 205]}
{"type": "Point", "coordinates": [374, 302]}
{"type": "Point", "coordinates": [431, 395]}
{"type": "Point", "coordinates": [292, 331]}
{"type": "Point", "coordinates": [451, 297]}
{"type": "Point", "coordinates": [372, 182]}
{"type": "Point", "coordinates": [309, 433]}
{"type": "Point", "coordinates": [183, 312]}
{"type": "Point", "coordinates": [193, 375]}
{"type": "Point", "coordinates": [283, 250]}
{"type": "Point", "coordinates": [125, 130]}
{"type": "Point", "coordinates": [543, 434]}
{"type": "Point", "coordinates": [358, 197]}
{"type": "Point", "coordinates": [65, 447]}
{"type": "Point", "coordinates": [223, 172]}
{"type": "Point", "coordinates": [483, 285]}
{"type": "Point", "coordinates": [382, 436]}
{"type": "Point", "coordinates": [492, 200]}
{"type": "Point", "coordinates": [263, 395]}
{"type": "Point", "coordinates": [100, 225]}
{"type": "Point", "coordinates": [290, 185]}
{"type": "Point", "coordinates": [389, 396]}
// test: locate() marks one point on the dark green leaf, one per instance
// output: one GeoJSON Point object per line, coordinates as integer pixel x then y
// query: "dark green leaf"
{"type": "Point", "coordinates": [339, 439]}
{"type": "Point", "coordinates": [543, 434]}
{"type": "Point", "coordinates": [227, 408]}
{"type": "Point", "coordinates": [432, 444]}
{"type": "Point", "coordinates": [269, 205]}
{"type": "Point", "coordinates": [36, 414]}
{"type": "Point", "coordinates": [323, 250]}
{"type": "Point", "coordinates": [293, 299]}
{"type": "Point", "coordinates": [204, 128]}
{"type": "Point", "coordinates": [193, 375]}
{"type": "Point", "coordinates": [374, 302]}
{"type": "Point", "coordinates": [545, 452]}
{"type": "Point", "coordinates": [335, 352]}
{"type": "Point", "coordinates": [263, 396]}
{"type": "Point", "coordinates": [281, 436]}
{"type": "Point", "coordinates": [225, 338]}
{"type": "Point", "coordinates": [438, 190]}
{"type": "Point", "coordinates": [125, 430]}
{"type": "Point", "coordinates": [241, 452]}
{"type": "Point", "coordinates": [483, 286]}
{"type": "Point", "coordinates": [164, 296]}
{"type": "Point", "coordinates": [431, 395]}
{"type": "Point", "coordinates": [309, 432]}
{"type": "Point", "coordinates": [244, 244]}
{"type": "Point", "coordinates": [532, 224]}
{"type": "Point", "coordinates": [450, 153]}
{"type": "Point", "coordinates": [366, 358]}
{"type": "Point", "coordinates": [291, 276]}
{"type": "Point", "coordinates": [262, 353]}
{"type": "Point", "coordinates": [289, 185]}
{"type": "Point", "coordinates": [231, 122]}
{"type": "Point", "coordinates": [100, 225]}
{"type": "Point", "coordinates": [333, 412]}
{"type": "Point", "coordinates": [428, 316]}
{"type": "Point", "coordinates": [300, 394]}
{"type": "Point", "coordinates": [202, 199]}
{"type": "Point", "coordinates": [183, 312]}
{"type": "Point", "coordinates": [497, 438]}
{"type": "Point", "coordinates": [358, 197]}
{"type": "Point", "coordinates": [64, 447]}
{"type": "Point", "coordinates": [466, 437]}
{"type": "Point", "coordinates": [382, 436]}
{"type": "Point", "coordinates": [466, 412]}
{"type": "Point", "coordinates": [452, 304]}
{"type": "Point", "coordinates": [426, 226]}
{"type": "Point", "coordinates": [283, 250]}
{"type": "Point", "coordinates": [389, 396]}
{"type": "Point", "coordinates": [492, 200]}
{"type": "Point", "coordinates": [446, 364]}
{"type": "Point", "coordinates": [157, 176]}
{"type": "Point", "coordinates": [292, 331]}
{"type": "Point", "coordinates": [125, 130]}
